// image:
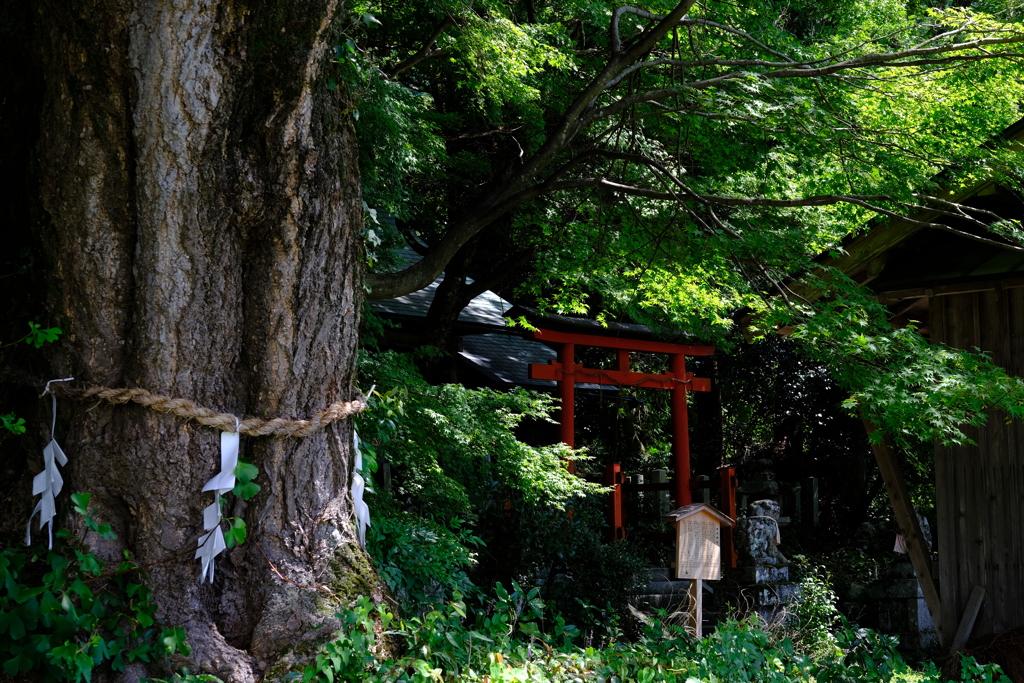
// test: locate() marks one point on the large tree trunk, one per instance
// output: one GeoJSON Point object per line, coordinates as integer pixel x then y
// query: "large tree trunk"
{"type": "Point", "coordinates": [201, 213]}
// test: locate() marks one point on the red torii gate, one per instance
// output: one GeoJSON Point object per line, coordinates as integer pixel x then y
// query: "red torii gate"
{"type": "Point", "coordinates": [568, 373]}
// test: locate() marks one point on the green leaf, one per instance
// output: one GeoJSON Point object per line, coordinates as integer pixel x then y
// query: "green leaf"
{"type": "Point", "coordinates": [246, 490]}
{"type": "Point", "coordinates": [531, 629]}
{"type": "Point", "coordinates": [235, 533]}
{"type": "Point", "coordinates": [81, 502]}
{"type": "Point", "coordinates": [37, 336]}
{"type": "Point", "coordinates": [246, 471]}
{"type": "Point", "coordinates": [15, 627]}
{"type": "Point", "coordinates": [174, 641]}
{"type": "Point", "coordinates": [13, 423]}
{"type": "Point", "coordinates": [18, 664]}
{"type": "Point", "coordinates": [144, 618]}
{"type": "Point", "coordinates": [89, 563]}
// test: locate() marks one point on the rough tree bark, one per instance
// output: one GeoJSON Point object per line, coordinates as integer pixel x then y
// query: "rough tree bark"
{"type": "Point", "coordinates": [200, 214]}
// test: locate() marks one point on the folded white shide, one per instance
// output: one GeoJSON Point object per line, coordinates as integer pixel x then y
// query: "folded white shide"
{"type": "Point", "coordinates": [49, 482]}
{"type": "Point", "coordinates": [212, 544]}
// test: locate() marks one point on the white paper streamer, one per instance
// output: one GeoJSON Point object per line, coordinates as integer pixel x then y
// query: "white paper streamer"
{"type": "Point", "coordinates": [211, 544]}
{"type": "Point", "coordinates": [48, 483]}
{"type": "Point", "coordinates": [358, 487]}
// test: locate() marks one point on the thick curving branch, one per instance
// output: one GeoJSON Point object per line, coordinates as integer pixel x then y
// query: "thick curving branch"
{"type": "Point", "coordinates": [615, 38]}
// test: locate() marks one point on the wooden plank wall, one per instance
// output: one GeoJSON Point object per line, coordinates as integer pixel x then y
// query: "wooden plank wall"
{"type": "Point", "coordinates": [980, 489]}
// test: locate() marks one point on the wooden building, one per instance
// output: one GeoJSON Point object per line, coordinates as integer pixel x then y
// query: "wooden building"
{"type": "Point", "coordinates": [966, 294]}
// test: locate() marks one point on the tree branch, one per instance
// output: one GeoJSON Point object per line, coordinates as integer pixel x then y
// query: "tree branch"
{"type": "Point", "coordinates": [688, 21]}
{"type": "Point", "coordinates": [892, 59]}
{"type": "Point", "coordinates": [424, 52]}
{"type": "Point", "coordinates": [616, 40]}
{"type": "Point", "coordinates": [889, 60]}
{"type": "Point", "coordinates": [864, 201]}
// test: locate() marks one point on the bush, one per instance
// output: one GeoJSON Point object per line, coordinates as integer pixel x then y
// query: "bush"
{"type": "Point", "coordinates": [422, 563]}
{"type": "Point", "coordinates": [64, 613]}
{"type": "Point", "coordinates": [461, 477]}
{"type": "Point", "coordinates": [815, 616]}
{"type": "Point", "coordinates": [514, 637]}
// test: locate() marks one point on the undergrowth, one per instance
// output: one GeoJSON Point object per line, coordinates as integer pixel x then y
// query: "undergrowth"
{"type": "Point", "coordinates": [513, 637]}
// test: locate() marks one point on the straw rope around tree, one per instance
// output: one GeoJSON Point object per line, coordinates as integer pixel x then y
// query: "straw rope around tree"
{"type": "Point", "coordinates": [213, 542]}
{"type": "Point", "coordinates": [251, 426]}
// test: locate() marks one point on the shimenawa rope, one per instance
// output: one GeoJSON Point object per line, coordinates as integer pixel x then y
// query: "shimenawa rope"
{"type": "Point", "coordinates": [252, 426]}
{"type": "Point", "coordinates": [212, 543]}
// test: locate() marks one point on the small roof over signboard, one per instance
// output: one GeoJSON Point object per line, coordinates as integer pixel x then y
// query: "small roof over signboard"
{"type": "Point", "coordinates": [682, 513]}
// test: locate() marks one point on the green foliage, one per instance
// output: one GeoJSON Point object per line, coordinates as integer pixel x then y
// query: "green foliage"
{"type": "Point", "coordinates": [351, 652]}
{"type": "Point", "coordinates": [422, 562]}
{"type": "Point", "coordinates": [65, 613]}
{"type": "Point", "coordinates": [183, 677]}
{"type": "Point", "coordinates": [245, 472]}
{"type": "Point", "coordinates": [644, 214]}
{"type": "Point", "coordinates": [970, 670]}
{"type": "Point", "coordinates": [910, 388]}
{"type": "Point", "coordinates": [816, 616]}
{"type": "Point", "coordinates": [235, 533]}
{"type": "Point", "coordinates": [245, 488]}
{"type": "Point", "coordinates": [13, 423]}
{"type": "Point", "coordinates": [459, 474]}
{"type": "Point", "coordinates": [454, 449]}
{"type": "Point", "coordinates": [37, 335]}
{"type": "Point", "coordinates": [588, 579]}
{"type": "Point", "coordinates": [514, 638]}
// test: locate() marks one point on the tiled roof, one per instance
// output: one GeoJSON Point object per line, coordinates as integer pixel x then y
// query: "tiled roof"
{"type": "Point", "coordinates": [505, 357]}
{"type": "Point", "coordinates": [486, 309]}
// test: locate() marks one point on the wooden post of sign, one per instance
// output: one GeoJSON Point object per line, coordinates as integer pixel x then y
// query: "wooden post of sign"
{"type": "Point", "coordinates": [906, 517]}
{"type": "Point", "coordinates": [695, 613]}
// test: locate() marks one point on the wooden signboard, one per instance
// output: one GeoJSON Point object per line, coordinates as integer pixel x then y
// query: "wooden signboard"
{"type": "Point", "coordinates": [699, 548]}
{"type": "Point", "coordinates": [698, 552]}
{"type": "Point", "coordinates": [699, 541]}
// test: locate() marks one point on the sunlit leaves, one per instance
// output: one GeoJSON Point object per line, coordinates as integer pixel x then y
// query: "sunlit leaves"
{"type": "Point", "coordinates": [910, 388]}
{"type": "Point", "coordinates": [726, 114]}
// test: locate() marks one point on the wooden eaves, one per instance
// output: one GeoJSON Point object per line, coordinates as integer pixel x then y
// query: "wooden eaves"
{"type": "Point", "coordinates": [863, 257]}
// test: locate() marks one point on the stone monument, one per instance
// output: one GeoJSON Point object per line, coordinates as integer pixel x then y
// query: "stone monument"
{"type": "Point", "coordinates": [762, 575]}
{"type": "Point", "coordinates": [758, 536]}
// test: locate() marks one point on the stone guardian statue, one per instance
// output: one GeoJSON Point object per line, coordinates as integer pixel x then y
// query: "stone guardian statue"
{"type": "Point", "coordinates": [757, 536]}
